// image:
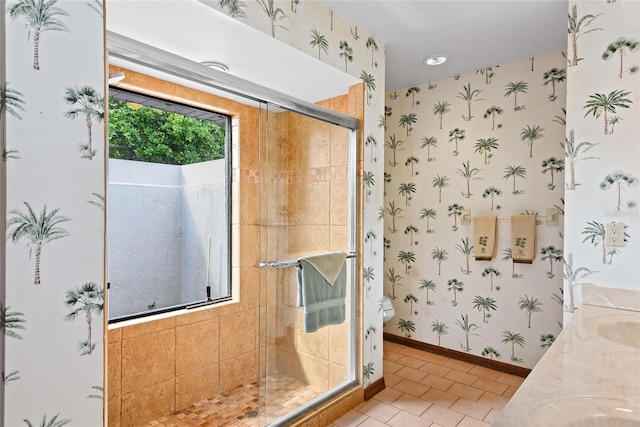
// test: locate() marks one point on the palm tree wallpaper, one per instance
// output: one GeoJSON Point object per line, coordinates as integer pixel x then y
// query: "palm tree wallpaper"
{"type": "Point", "coordinates": [601, 149]}
{"type": "Point", "coordinates": [501, 164]}
{"type": "Point", "coordinates": [54, 237]}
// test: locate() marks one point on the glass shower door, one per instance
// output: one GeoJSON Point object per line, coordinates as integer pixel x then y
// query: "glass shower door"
{"type": "Point", "coordinates": [306, 209]}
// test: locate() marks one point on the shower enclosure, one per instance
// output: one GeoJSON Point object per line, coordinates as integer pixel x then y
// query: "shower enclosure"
{"type": "Point", "coordinates": [294, 180]}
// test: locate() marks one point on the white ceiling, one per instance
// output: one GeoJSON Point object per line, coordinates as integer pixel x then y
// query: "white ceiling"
{"type": "Point", "coordinates": [471, 34]}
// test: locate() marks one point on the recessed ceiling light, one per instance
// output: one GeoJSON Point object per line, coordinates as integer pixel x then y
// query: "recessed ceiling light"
{"type": "Point", "coordinates": [216, 65]}
{"type": "Point", "coordinates": [435, 59]}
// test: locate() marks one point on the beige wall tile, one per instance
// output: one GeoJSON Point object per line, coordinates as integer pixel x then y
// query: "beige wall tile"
{"type": "Point", "coordinates": [339, 343]}
{"type": "Point", "coordinates": [287, 361]}
{"type": "Point", "coordinates": [197, 345]}
{"type": "Point", "coordinates": [312, 238]}
{"type": "Point", "coordinates": [238, 333]}
{"type": "Point", "coordinates": [197, 316]}
{"type": "Point", "coordinates": [241, 369]}
{"type": "Point", "coordinates": [114, 370]}
{"type": "Point", "coordinates": [148, 359]}
{"type": "Point", "coordinates": [197, 385]}
{"type": "Point", "coordinates": [148, 327]}
{"type": "Point", "coordinates": [113, 411]}
{"type": "Point", "coordinates": [114, 335]}
{"type": "Point", "coordinates": [148, 403]}
{"type": "Point", "coordinates": [314, 370]}
{"type": "Point", "coordinates": [314, 343]}
{"type": "Point", "coordinates": [337, 374]}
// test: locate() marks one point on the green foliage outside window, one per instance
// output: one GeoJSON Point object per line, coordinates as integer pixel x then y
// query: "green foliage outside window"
{"type": "Point", "coordinates": [150, 135]}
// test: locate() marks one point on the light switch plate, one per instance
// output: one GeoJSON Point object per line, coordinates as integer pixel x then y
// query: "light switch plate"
{"type": "Point", "coordinates": [614, 235]}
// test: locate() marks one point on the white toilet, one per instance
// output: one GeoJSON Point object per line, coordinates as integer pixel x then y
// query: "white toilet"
{"type": "Point", "coordinates": [387, 309]}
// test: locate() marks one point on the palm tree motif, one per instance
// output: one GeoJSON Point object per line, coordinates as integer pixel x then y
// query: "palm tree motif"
{"type": "Point", "coordinates": [492, 112]}
{"type": "Point", "coordinates": [441, 108]}
{"type": "Point", "coordinates": [484, 146]}
{"type": "Point", "coordinates": [618, 179]}
{"type": "Point", "coordinates": [394, 278]}
{"type": "Point", "coordinates": [468, 328]}
{"type": "Point", "coordinates": [87, 299]}
{"type": "Point", "coordinates": [488, 74]}
{"type": "Point", "coordinates": [411, 92]}
{"type": "Point", "coordinates": [38, 230]}
{"type": "Point", "coordinates": [513, 338]}
{"type": "Point", "coordinates": [88, 103]}
{"type": "Point", "coordinates": [573, 276]}
{"type": "Point", "coordinates": [95, 5]}
{"type": "Point", "coordinates": [491, 352]}
{"type": "Point", "coordinates": [394, 212]}
{"type": "Point", "coordinates": [552, 165]}
{"type": "Point", "coordinates": [320, 41]}
{"type": "Point", "coordinates": [11, 376]}
{"type": "Point", "coordinates": [369, 84]}
{"type": "Point", "coordinates": [515, 171]}
{"type": "Point", "coordinates": [456, 135]}
{"type": "Point", "coordinates": [470, 96]}
{"type": "Point", "coordinates": [368, 274]}
{"type": "Point", "coordinates": [439, 255]}
{"type": "Point", "coordinates": [440, 182]}
{"type": "Point", "coordinates": [514, 88]}
{"type": "Point", "coordinates": [371, 44]}
{"type": "Point", "coordinates": [429, 142]}
{"type": "Point", "coordinates": [465, 249]}
{"type": "Point", "coordinates": [41, 16]}
{"type": "Point", "coordinates": [394, 145]}
{"type": "Point", "coordinates": [468, 173]}
{"type": "Point", "coordinates": [406, 258]}
{"type": "Point", "coordinates": [553, 76]}
{"type": "Point", "coordinates": [367, 371]}
{"type": "Point", "coordinates": [577, 26]}
{"type": "Point", "coordinates": [406, 189]}
{"type": "Point", "coordinates": [561, 120]}
{"type": "Point", "coordinates": [613, 121]}
{"type": "Point", "coordinates": [547, 340]}
{"type": "Point", "coordinates": [98, 389]}
{"type": "Point", "coordinates": [10, 101]}
{"type": "Point", "coordinates": [411, 230]}
{"type": "Point", "coordinates": [485, 305]}
{"type": "Point", "coordinates": [407, 327]}
{"type": "Point", "coordinates": [530, 305]}
{"type": "Point", "coordinates": [600, 104]}
{"type": "Point", "coordinates": [294, 6]}
{"type": "Point", "coordinates": [98, 200]}
{"type": "Point", "coordinates": [371, 332]}
{"type": "Point", "coordinates": [508, 256]}
{"type": "Point", "coordinates": [574, 153]}
{"type": "Point", "coordinates": [386, 180]}
{"type": "Point", "coordinates": [407, 120]}
{"type": "Point", "coordinates": [439, 328]}
{"type": "Point", "coordinates": [531, 134]}
{"type": "Point", "coordinates": [233, 8]}
{"type": "Point", "coordinates": [346, 52]}
{"type": "Point", "coordinates": [428, 214]}
{"type": "Point", "coordinates": [386, 244]}
{"type": "Point", "coordinates": [621, 46]}
{"type": "Point", "coordinates": [371, 141]}
{"type": "Point", "coordinates": [369, 182]}
{"type": "Point", "coordinates": [371, 236]}
{"type": "Point", "coordinates": [456, 286]}
{"type": "Point", "coordinates": [455, 210]}
{"type": "Point", "coordinates": [611, 252]}
{"type": "Point", "coordinates": [274, 14]}
{"type": "Point", "coordinates": [53, 422]}
{"type": "Point", "coordinates": [595, 233]}
{"type": "Point", "coordinates": [11, 320]}
{"type": "Point", "coordinates": [411, 161]}
{"type": "Point", "coordinates": [491, 272]}
{"type": "Point", "coordinates": [492, 192]}
{"type": "Point", "coordinates": [410, 298]}
{"type": "Point", "coordinates": [429, 285]}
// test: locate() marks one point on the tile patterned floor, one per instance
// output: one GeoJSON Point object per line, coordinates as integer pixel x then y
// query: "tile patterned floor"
{"type": "Point", "coordinates": [425, 389]}
{"type": "Point", "coordinates": [230, 409]}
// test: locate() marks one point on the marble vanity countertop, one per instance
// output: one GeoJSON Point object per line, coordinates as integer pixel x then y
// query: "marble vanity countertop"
{"type": "Point", "coordinates": [590, 376]}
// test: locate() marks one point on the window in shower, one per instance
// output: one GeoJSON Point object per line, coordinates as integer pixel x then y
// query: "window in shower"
{"type": "Point", "coordinates": [168, 210]}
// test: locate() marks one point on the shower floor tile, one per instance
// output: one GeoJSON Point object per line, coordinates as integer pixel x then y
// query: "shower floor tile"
{"type": "Point", "coordinates": [236, 407]}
